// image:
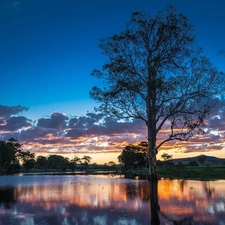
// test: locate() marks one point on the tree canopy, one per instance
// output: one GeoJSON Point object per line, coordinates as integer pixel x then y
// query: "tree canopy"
{"type": "Point", "coordinates": [166, 156]}
{"type": "Point", "coordinates": [157, 73]}
{"type": "Point", "coordinates": [9, 152]}
{"type": "Point", "coordinates": [134, 156]}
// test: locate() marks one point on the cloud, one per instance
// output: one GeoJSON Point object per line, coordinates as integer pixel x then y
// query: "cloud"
{"type": "Point", "coordinates": [98, 124]}
{"type": "Point", "coordinates": [96, 132]}
{"type": "Point", "coordinates": [202, 148]}
{"type": "Point", "coordinates": [90, 133]}
{"type": "Point", "coordinates": [216, 120]}
{"type": "Point", "coordinates": [56, 121]}
{"type": "Point", "coordinates": [7, 111]}
{"type": "Point", "coordinates": [15, 123]}
{"type": "Point", "coordinates": [34, 134]}
{"type": "Point", "coordinates": [9, 122]}
{"type": "Point", "coordinates": [85, 121]}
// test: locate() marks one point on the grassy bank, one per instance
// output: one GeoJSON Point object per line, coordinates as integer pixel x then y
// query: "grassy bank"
{"type": "Point", "coordinates": [183, 172]}
{"type": "Point", "coordinates": [171, 172]}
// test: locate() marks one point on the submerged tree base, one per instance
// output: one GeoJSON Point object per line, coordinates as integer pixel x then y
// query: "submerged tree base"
{"type": "Point", "coordinates": [152, 178]}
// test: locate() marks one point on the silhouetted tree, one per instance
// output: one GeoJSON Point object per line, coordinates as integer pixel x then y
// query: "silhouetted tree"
{"type": "Point", "coordinates": [73, 162]}
{"type": "Point", "coordinates": [166, 156]}
{"type": "Point", "coordinates": [86, 161]}
{"type": "Point", "coordinates": [58, 162]}
{"type": "Point", "coordinates": [41, 162]}
{"type": "Point", "coordinates": [7, 156]}
{"type": "Point", "coordinates": [9, 152]}
{"type": "Point", "coordinates": [111, 164]}
{"type": "Point", "coordinates": [155, 72]}
{"type": "Point", "coordinates": [133, 156]}
{"type": "Point", "coordinates": [28, 159]}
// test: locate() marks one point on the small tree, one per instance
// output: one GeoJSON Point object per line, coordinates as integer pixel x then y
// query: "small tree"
{"type": "Point", "coordinates": [155, 72]}
{"type": "Point", "coordinates": [73, 162]}
{"type": "Point", "coordinates": [86, 161]}
{"type": "Point", "coordinates": [111, 165]}
{"type": "Point", "coordinates": [28, 159]}
{"type": "Point", "coordinates": [166, 156]}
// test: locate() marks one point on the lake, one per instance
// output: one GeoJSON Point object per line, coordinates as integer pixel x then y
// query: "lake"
{"type": "Point", "coordinates": [107, 200]}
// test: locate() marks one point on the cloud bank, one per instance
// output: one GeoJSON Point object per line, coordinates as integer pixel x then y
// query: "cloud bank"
{"type": "Point", "coordinates": [96, 132]}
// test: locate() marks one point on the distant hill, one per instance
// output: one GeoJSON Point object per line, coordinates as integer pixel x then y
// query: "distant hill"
{"type": "Point", "coordinates": [209, 159]}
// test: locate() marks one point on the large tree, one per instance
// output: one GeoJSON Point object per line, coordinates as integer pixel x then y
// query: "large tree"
{"type": "Point", "coordinates": [9, 155]}
{"type": "Point", "coordinates": [58, 162]}
{"type": "Point", "coordinates": [156, 72]}
{"type": "Point", "coordinates": [42, 162]}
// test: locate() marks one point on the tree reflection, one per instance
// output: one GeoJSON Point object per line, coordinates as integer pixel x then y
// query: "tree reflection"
{"type": "Point", "coordinates": [8, 196]}
{"type": "Point", "coordinates": [154, 202]}
{"type": "Point", "coordinates": [156, 214]}
{"type": "Point", "coordinates": [182, 185]}
{"type": "Point", "coordinates": [132, 190]}
{"type": "Point", "coordinates": [208, 189]}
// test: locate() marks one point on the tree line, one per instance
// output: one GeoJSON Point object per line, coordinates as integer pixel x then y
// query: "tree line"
{"type": "Point", "coordinates": [13, 159]}
{"type": "Point", "coordinates": [133, 156]}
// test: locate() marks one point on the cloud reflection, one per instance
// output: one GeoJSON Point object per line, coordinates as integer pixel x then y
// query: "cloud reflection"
{"type": "Point", "coordinates": [61, 200]}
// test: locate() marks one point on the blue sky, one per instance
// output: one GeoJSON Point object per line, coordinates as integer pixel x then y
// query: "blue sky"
{"type": "Point", "coordinates": [48, 49]}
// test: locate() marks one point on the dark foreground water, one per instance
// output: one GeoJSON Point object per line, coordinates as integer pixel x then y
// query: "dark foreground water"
{"type": "Point", "coordinates": [105, 200]}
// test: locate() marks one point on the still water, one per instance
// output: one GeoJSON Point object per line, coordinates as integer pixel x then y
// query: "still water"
{"type": "Point", "coordinates": [107, 200]}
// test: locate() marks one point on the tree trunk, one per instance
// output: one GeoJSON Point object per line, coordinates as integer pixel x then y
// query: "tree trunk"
{"type": "Point", "coordinates": [152, 175]}
{"type": "Point", "coordinates": [152, 152]}
{"type": "Point", "coordinates": [151, 119]}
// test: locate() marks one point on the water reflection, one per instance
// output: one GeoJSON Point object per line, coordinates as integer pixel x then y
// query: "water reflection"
{"type": "Point", "coordinates": [103, 200]}
{"type": "Point", "coordinates": [8, 196]}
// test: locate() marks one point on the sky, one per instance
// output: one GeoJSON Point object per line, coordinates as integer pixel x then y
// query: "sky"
{"type": "Point", "coordinates": [48, 49]}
